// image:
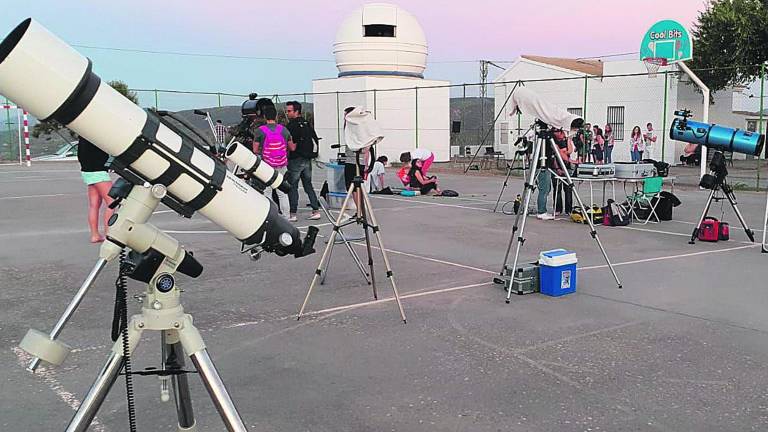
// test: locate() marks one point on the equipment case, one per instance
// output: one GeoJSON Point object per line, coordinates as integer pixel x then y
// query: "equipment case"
{"type": "Point", "coordinates": [632, 170]}
{"type": "Point", "coordinates": [586, 170]}
{"type": "Point", "coordinates": [524, 281]}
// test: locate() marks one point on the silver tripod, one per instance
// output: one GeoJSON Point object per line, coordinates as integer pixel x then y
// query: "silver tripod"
{"type": "Point", "coordinates": [161, 311]}
{"type": "Point", "coordinates": [367, 219]}
{"type": "Point", "coordinates": [543, 138]}
{"type": "Point", "coordinates": [511, 167]}
{"type": "Point", "coordinates": [346, 241]}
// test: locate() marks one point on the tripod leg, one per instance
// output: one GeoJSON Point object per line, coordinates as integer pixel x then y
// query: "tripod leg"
{"type": "Point", "coordinates": [181, 394]}
{"type": "Point", "coordinates": [764, 247]}
{"type": "Point", "coordinates": [695, 233]}
{"type": "Point", "coordinates": [521, 218]}
{"type": "Point", "coordinates": [104, 382]}
{"type": "Point", "coordinates": [327, 264]}
{"type": "Point", "coordinates": [592, 230]}
{"type": "Point", "coordinates": [351, 251]}
{"type": "Point", "coordinates": [326, 253]}
{"type": "Point", "coordinates": [732, 199]}
{"type": "Point", "coordinates": [377, 233]}
{"type": "Point", "coordinates": [193, 343]}
{"type": "Point", "coordinates": [504, 185]}
{"type": "Point", "coordinates": [364, 215]}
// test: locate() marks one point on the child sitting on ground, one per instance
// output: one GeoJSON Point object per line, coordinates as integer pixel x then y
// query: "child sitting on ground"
{"type": "Point", "coordinates": [377, 174]}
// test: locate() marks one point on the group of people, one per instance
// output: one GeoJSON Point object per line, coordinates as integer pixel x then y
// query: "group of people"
{"type": "Point", "coordinates": [595, 145]}
{"type": "Point", "coordinates": [413, 173]}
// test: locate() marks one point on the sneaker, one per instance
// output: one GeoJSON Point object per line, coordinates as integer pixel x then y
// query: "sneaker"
{"type": "Point", "coordinates": [293, 218]}
{"type": "Point", "coordinates": [545, 216]}
{"type": "Point", "coordinates": [314, 216]}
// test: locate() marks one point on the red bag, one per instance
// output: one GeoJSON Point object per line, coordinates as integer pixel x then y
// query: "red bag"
{"type": "Point", "coordinates": [709, 230]}
{"type": "Point", "coordinates": [725, 231]}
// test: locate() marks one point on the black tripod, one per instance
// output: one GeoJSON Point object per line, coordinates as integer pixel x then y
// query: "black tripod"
{"type": "Point", "coordinates": [717, 182]}
{"type": "Point", "coordinates": [524, 147]}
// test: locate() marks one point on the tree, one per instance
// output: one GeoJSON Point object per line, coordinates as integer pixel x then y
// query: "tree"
{"type": "Point", "coordinates": [730, 42]}
{"type": "Point", "coordinates": [50, 127]}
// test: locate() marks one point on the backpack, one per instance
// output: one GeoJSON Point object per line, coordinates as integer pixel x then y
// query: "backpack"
{"type": "Point", "coordinates": [274, 149]}
{"type": "Point", "coordinates": [615, 214]}
{"type": "Point", "coordinates": [449, 193]}
{"type": "Point", "coordinates": [305, 140]}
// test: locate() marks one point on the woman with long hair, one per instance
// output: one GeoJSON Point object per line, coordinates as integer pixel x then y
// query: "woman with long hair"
{"type": "Point", "coordinates": [92, 160]}
{"type": "Point", "coordinates": [609, 141]}
{"type": "Point", "coordinates": [636, 144]}
{"type": "Point", "coordinates": [426, 185]}
{"type": "Point", "coordinates": [599, 144]}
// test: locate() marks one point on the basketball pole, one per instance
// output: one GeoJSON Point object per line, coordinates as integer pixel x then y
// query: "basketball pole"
{"type": "Point", "coordinates": [704, 111]}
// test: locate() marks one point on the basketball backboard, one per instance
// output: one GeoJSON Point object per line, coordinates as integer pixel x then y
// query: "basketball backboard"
{"type": "Point", "coordinates": [667, 39]}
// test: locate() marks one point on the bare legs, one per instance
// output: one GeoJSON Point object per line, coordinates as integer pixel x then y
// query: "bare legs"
{"type": "Point", "coordinates": [98, 195]}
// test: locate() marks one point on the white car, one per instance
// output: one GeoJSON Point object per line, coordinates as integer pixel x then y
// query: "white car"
{"type": "Point", "coordinates": [67, 152]}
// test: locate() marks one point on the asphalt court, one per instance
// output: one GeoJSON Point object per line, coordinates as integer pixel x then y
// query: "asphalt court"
{"type": "Point", "coordinates": [681, 347]}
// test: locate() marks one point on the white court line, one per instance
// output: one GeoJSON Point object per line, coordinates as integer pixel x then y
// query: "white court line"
{"type": "Point", "coordinates": [390, 299]}
{"type": "Point", "coordinates": [439, 261]}
{"type": "Point", "coordinates": [48, 376]}
{"type": "Point", "coordinates": [669, 257]}
{"type": "Point", "coordinates": [739, 227]}
{"type": "Point", "coordinates": [38, 196]}
{"type": "Point", "coordinates": [430, 203]}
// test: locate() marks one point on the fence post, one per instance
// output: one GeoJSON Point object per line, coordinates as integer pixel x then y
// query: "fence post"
{"type": "Point", "coordinates": [417, 116]}
{"type": "Point", "coordinates": [584, 111]}
{"type": "Point", "coordinates": [156, 104]}
{"type": "Point", "coordinates": [338, 119]}
{"type": "Point", "coordinates": [219, 95]}
{"type": "Point", "coordinates": [760, 117]}
{"type": "Point", "coordinates": [8, 125]}
{"type": "Point", "coordinates": [664, 117]}
{"type": "Point", "coordinates": [374, 103]}
{"type": "Point", "coordinates": [305, 98]}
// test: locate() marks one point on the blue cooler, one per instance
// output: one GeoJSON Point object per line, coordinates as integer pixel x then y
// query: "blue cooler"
{"type": "Point", "coordinates": [557, 272]}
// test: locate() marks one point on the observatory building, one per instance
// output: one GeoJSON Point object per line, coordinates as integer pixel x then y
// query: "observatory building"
{"type": "Point", "coordinates": [381, 55]}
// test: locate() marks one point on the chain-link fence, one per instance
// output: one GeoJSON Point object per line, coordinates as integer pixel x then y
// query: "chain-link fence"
{"type": "Point", "coordinates": [455, 120]}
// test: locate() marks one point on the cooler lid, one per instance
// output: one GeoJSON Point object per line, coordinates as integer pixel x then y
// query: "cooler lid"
{"type": "Point", "coordinates": [557, 257]}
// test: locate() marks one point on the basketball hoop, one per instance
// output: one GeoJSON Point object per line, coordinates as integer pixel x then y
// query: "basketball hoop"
{"type": "Point", "coordinates": [653, 64]}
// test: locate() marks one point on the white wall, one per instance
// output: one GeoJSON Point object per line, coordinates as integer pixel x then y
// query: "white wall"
{"type": "Point", "coordinates": [396, 111]}
{"type": "Point", "coordinates": [641, 97]}
{"type": "Point", "coordinates": [720, 112]}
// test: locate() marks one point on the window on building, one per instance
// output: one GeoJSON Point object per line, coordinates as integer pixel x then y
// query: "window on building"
{"type": "Point", "coordinates": [752, 125]}
{"type": "Point", "coordinates": [379, 30]}
{"type": "Point", "coordinates": [504, 131]}
{"type": "Point", "coordinates": [616, 120]}
{"type": "Point", "coordinates": [575, 111]}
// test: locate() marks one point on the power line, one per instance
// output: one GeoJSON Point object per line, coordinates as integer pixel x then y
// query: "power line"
{"type": "Point", "coordinates": [243, 57]}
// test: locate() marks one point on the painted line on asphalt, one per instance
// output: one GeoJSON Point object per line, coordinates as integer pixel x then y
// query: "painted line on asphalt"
{"type": "Point", "coordinates": [39, 196]}
{"type": "Point", "coordinates": [671, 257]}
{"type": "Point", "coordinates": [48, 376]}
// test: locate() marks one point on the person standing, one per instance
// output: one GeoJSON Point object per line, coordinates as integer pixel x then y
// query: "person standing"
{"type": "Point", "coordinates": [94, 173]}
{"type": "Point", "coordinates": [599, 146]}
{"type": "Point", "coordinates": [609, 141]}
{"type": "Point", "coordinates": [650, 138]}
{"type": "Point", "coordinates": [300, 160]}
{"type": "Point", "coordinates": [565, 147]}
{"type": "Point", "coordinates": [273, 142]}
{"type": "Point", "coordinates": [636, 144]}
{"type": "Point", "coordinates": [587, 156]}
{"type": "Point", "coordinates": [544, 178]}
{"type": "Point", "coordinates": [221, 136]}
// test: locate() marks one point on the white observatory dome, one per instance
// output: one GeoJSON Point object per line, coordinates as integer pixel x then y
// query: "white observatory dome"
{"type": "Point", "coordinates": [380, 39]}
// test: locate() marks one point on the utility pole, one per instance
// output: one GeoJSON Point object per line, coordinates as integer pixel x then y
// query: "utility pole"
{"type": "Point", "coordinates": [484, 91]}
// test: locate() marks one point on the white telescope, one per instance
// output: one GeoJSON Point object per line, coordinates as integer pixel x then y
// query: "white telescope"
{"type": "Point", "coordinates": [529, 102]}
{"type": "Point", "coordinates": [53, 81]}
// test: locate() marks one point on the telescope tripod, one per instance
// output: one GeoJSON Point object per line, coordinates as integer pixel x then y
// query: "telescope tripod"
{"type": "Point", "coordinates": [343, 239]}
{"type": "Point", "coordinates": [511, 167]}
{"type": "Point", "coordinates": [367, 219]}
{"type": "Point", "coordinates": [725, 192]}
{"type": "Point", "coordinates": [161, 311]}
{"type": "Point", "coordinates": [539, 149]}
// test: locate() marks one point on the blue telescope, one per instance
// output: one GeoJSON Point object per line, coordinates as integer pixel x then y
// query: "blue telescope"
{"type": "Point", "coordinates": [715, 136]}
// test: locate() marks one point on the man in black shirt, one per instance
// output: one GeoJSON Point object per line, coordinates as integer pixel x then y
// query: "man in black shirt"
{"type": "Point", "coordinates": [300, 160]}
